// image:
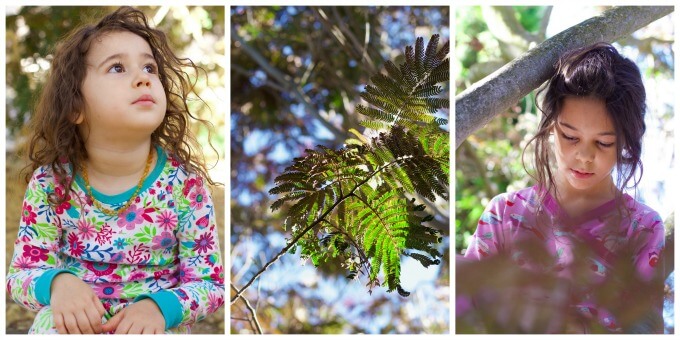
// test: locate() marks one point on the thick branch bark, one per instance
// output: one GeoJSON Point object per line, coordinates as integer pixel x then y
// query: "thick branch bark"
{"type": "Point", "coordinates": [477, 105]}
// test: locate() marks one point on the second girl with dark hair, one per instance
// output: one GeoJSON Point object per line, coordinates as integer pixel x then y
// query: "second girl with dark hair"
{"type": "Point", "coordinates": [601, 246]}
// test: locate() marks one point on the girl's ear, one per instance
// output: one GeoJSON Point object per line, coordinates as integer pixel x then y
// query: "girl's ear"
{"type": "Point", "coordinates": [79, 118]}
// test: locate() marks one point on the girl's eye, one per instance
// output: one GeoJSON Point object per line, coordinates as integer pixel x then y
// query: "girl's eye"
{"type": "Point", "coordinates": [117, 68]}
{"type": "Point", "coordinates": [150, 68]}
{"type": "Point", "coordinates": [569, 138]}
{"type": "Point", "coordinates": [605, 145]}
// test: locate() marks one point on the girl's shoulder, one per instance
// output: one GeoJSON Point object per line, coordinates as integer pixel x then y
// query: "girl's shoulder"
{"type": "Point", "coordinates": [176, 169]}
{"type": "Point", "coordinates": [640, 211]}
{"type": "Point", "coordinates": [516, 202]}
{"type": "Point", "coordinates": [45, 175]}
{"type": "Point", "coordinates": [529, 194]}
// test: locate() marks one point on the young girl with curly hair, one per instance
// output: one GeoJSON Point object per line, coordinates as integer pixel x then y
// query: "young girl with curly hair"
{"type": "Point", "coordinates": [118, 232]}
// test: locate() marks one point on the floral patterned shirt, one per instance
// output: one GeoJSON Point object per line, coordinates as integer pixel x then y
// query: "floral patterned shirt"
{"type": "Point", "coordinates": [511, 220]}
{"type": "Point", "coordinates": [164, 246]}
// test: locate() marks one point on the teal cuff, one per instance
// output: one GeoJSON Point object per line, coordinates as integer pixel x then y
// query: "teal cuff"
{"type": "Point", "coordinates": [43, 286]}
{"type": "Point", "coordinates": [169, 305]}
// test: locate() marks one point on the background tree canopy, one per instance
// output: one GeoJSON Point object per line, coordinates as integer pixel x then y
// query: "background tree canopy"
{"type": "Point", "coordinates": [489, 161]}
{"type": "Point", "coordinates": [195, 32]}
{"type": "Point", "coordinates": [296, 75]}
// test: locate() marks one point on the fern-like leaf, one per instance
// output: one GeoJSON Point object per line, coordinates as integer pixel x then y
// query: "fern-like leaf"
{"type": "Point", "coordinates": [404, 95]}
{"type": "Point", "coordinates": [350, 204]}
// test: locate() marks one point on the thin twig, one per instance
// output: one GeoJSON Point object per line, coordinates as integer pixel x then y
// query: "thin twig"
{"type": "Point", "coordinates": [252, 311]}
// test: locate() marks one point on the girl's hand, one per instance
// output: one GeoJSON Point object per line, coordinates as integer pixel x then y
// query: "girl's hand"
{"type": "Point", "coordinates": [75, 306]}
{"type": "Point", "coordinates": [141, 317]}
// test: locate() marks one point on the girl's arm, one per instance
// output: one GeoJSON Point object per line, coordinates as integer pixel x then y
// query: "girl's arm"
{"type": "Point", "coordinates": [487, 239]}
{"type": "Point", "coordinates": [649, 245]}
{"type": "Point", "coordinates": [201, 289]}
{"type": "Point", "coordinates": [36, 257]}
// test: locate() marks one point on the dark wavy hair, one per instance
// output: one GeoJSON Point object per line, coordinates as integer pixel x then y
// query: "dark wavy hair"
{"type": "Point", "coordinates": [54, 136]}
{"type": "Point", "coordinates": [596, 71]}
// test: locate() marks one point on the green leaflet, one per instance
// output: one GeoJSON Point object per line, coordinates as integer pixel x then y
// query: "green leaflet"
{"type": "Point", "coordinates": [406, 94]}
{"type": "Point", "coordinates": [350, 204]}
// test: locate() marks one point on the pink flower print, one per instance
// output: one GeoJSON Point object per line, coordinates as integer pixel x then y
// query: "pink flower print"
{"type": "Point", "coordinates": [27, 283]}
{"type": "Point", "coordinates": [86, 229]}
{"type": "Point", "coordinates": [186, 273]}
{"type": "Point", "coordinates": [163, 241]}
{"type": "Point", "coordinates": [197, 198]}
{"type": "Point", "coordinates": [167, 220]}
{"type": "Point", "coordinates": [136, 276]}
{"type": "Point", "coordinates": [27, 215]}
{"type": "Point", "coordinates": [36, 254]}
{"type": "Point", "coordinates": [188, 185]}
{"type": "Point", "coordinates": [131, 217]}
{"type": "Point", "coordinates": [118, 257]}
{"type": "Point", "coordinates": [203, 221]}
{"type": "Point", "coordinates": [101, 268]}
{"type": "Point", "coordinates": [194, 305]}
{"type": "Point", "coordinates": [66, 205]}
{"type": "Point", "coordinates": [161, 274]}
{"type": "Point", "coordinates": [214, 302]}
{"type": "Point", "coordinates": [23, 263]}
{"type": "Point", "coordinates": [203, 243]}
{"type": "Point", "coordinates": [218, 275]}
{"type": "Point", "coordinates": [108, 290]}
{"type": "Point", "coordinates": [75, 246]}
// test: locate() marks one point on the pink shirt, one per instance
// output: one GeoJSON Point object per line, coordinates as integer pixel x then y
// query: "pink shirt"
{"type": "Point", "coordinates": [610, 234]}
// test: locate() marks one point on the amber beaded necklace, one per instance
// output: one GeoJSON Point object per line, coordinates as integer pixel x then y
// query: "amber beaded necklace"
{"type": "Point", "coordinates": [112, 212]}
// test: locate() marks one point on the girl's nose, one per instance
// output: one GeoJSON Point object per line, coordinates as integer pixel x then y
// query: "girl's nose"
{"type": "Point", "coordinates": [142, 79]}
{"type": "Point", "coordinates": [585, 154]}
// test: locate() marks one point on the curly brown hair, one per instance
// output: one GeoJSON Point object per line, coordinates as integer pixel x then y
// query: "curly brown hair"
{"type": "Point", "coordinates": [54, 136]}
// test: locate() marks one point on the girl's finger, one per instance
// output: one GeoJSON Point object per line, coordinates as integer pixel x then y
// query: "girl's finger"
{"type": "Point", "coordinates": [124, 327]}
{"type": "Point", "coordinates": [100, 307]}
{"type": "Point", "coordinates": [95, 320]}
{"type": "Point", "coordinates": [136, 328]}
{"type": "Point", "coordinates": [83, 321]}
{"type": "Point", "coordinates": [113, 322]}
{"type": "Point", "coordinates": [71, 324]}
{"type": "Point", "coordinates": [59, 323]}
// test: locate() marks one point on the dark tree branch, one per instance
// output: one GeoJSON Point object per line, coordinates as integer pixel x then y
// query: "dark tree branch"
{"type": "Point", "coordinates": [288, 83]}
{"type": "Point", "coordinates": [478, 104]}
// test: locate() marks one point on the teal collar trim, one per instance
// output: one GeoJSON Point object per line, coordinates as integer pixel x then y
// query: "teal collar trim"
{"type": "Point", "coordinates": [125, 196]}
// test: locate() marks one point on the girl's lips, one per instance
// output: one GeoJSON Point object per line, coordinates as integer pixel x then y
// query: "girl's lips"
{"type": "Point", "coordinates": [581, 175]}
{"type": "Point", "coordinates": [145, 100]}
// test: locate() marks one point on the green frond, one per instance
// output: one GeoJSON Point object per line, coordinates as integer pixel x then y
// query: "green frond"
{"type": "Point", "coordinates": [393, 71]}
{"type": "Point", "coordinates": [431, 52]}
{"type": "Point", "coordinates": [406, 91]}
{"type": "Point", "coordinates": [426, 261]}
{"type": "Point", "coordinates": [350, 204]}
{"type": "Point", "coordinates": [375, 125]}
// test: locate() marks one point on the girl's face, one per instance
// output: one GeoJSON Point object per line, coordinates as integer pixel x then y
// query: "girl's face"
{"type": "Point", "coordinates": [585, 145]}
{"type": "Point", "coordinates": [124, 98]}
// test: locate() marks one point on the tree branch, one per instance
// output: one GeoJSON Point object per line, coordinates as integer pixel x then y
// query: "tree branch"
{"type": "Point", "coordinates": [288, 83]}
{"type": "Point", "coordinates": [252, 311]}
{"type": "Point", "coordinates": [478, 104]}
